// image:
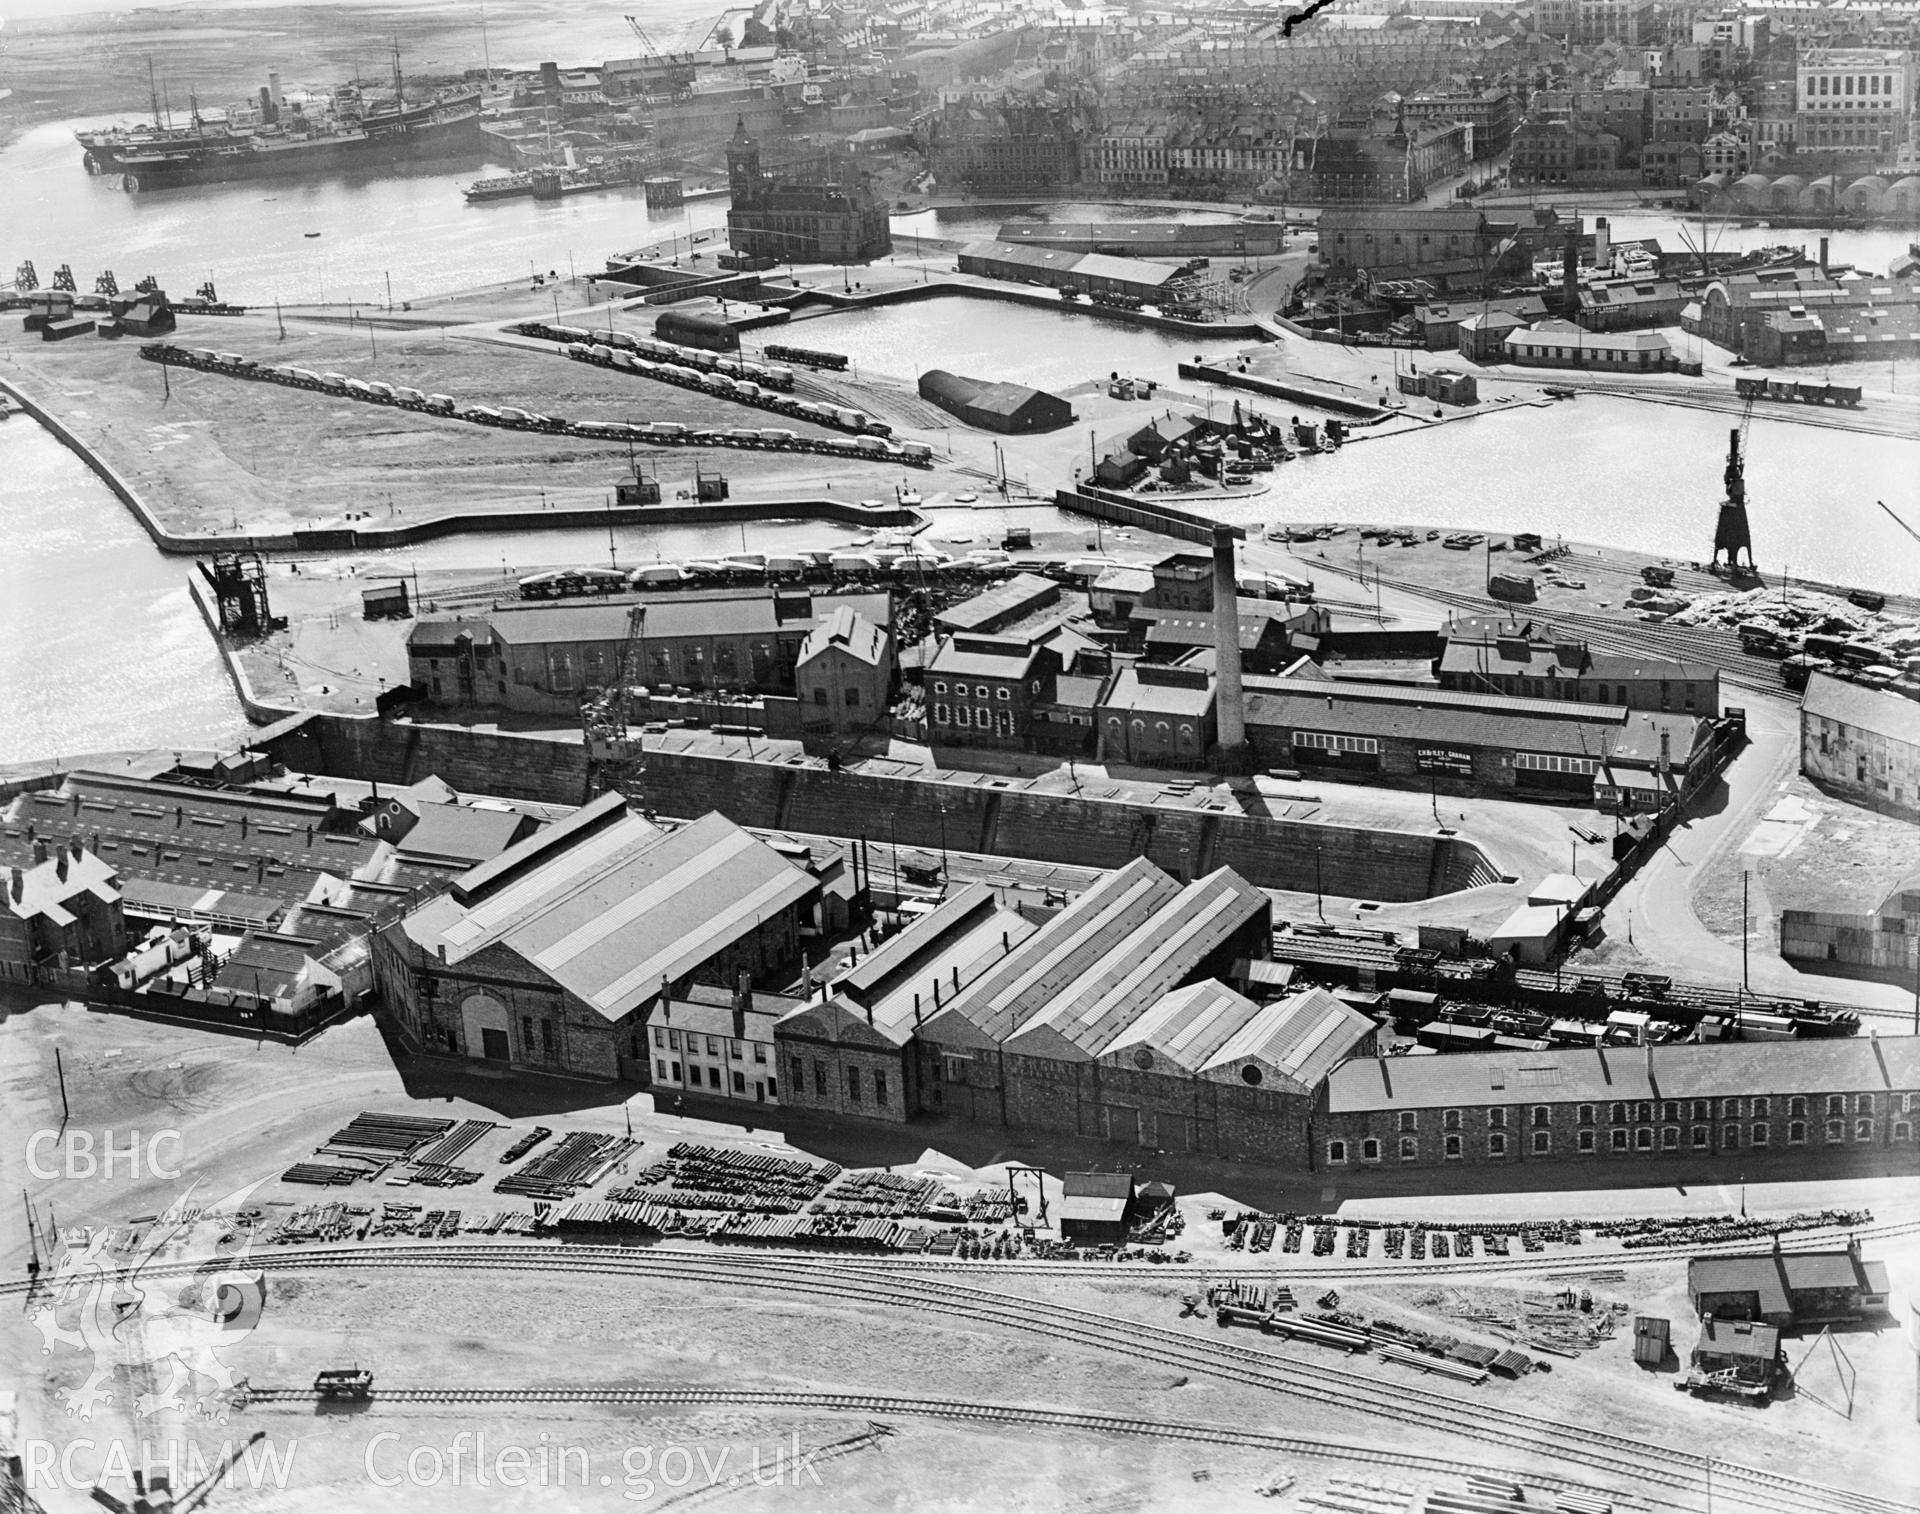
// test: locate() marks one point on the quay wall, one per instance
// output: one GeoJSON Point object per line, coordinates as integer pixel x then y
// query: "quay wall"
{"type": "Point", "coordinates": [951, 287]}
{"type": "Point", "coordinates": [972, 816]}
{"type": "Point", "coordinates": [453, 522]}
{"type": "Point", "coordinates": [1300, 391]}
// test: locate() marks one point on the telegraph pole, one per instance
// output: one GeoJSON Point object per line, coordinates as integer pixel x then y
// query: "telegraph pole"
{"type": "Point", "coordinates": [60, 1072]}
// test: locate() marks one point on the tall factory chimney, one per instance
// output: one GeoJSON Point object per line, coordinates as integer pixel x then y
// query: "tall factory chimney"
{"type": "Point", "coordinates": [1602, 247]}
{"type": "Point", "coordinates": [1229, 701]}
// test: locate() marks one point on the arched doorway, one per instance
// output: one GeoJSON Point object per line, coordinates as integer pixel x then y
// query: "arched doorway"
{"type": "Point", "coordinates": [484, 1019]}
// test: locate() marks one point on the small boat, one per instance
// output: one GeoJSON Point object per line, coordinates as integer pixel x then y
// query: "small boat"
{"type": "Point", "coordinates": [312, 234]}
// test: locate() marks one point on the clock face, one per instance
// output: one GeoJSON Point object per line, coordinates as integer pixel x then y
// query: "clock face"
{"type": "Point", "coordinates": [1143, 1059]}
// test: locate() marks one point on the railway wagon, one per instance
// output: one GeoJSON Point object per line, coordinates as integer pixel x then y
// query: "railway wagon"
{"type": "Point", "coordinates": [1788, 389]}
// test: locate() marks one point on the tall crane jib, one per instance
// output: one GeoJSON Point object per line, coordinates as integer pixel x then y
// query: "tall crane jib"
{"type": "Point", "coordinates": [615, 759]}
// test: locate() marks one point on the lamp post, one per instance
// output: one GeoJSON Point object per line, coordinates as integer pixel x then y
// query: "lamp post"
{"type": "Point", "coordinates": [1319, 894]}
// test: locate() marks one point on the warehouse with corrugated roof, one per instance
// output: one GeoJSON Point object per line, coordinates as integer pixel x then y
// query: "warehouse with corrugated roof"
{"type": "Point", "coordinates": [1009, 408]}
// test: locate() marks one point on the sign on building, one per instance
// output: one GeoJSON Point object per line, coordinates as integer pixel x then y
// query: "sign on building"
{"type": "Point", "coordinates": [1440, 759]}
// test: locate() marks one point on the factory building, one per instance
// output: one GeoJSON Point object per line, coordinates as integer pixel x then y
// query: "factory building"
{"type": "Point", "coordinates": [1111, 1021]}
{"type": "Point", "coordinates": [1840, 1099]}
{"type": "Point", "coordinates": [1862, 744]}
{"type": "Point", "coordinates": [1010, 408]}
{"type": "Point", "coordinates": [537, 659]}
{"type": "Point", "coordinates": [1490, 744]}
{"type": "Point", "coordinates": [844, 674]}
{"type": "Point", "coordinates": [1883, 944]}
{"type": "Point", "coordinates": [555, 955]}
{"type": "Point", "coordinates": [1400, 238]}
{"type": "Point", "coordinates": [1526, 659]}
{"type": "Point", "coordinates": [1089, 273]}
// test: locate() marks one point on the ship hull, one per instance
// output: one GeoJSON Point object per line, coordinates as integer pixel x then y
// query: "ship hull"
{"type": "Point", "coordinates": [437, 141]}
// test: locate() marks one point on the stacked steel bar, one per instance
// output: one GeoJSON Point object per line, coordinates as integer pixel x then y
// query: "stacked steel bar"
{"type": "Point", "coordinates": [392, 1135]}
{"type": "Point", "coordinates": [442, 1153]}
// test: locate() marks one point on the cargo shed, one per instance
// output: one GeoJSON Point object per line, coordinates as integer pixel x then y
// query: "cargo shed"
{"type": "Point", "coordinates": [1093, 1208]}
{"type": "Point", "coordinates": [1008, 408]}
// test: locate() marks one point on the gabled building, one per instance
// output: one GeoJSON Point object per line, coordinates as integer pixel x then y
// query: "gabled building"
{"type": "Point", "coordinates": [1862, 744]}
{"type": "Point", "coordinates": [1789, 1289]}
{"type": "Point", "coordinates": [981, 689]}
{"type": "Point", "coordinates": [553, 955]}
{"type": "Point", "coordinates": [845, 673]}
{"type": "Point", "coordinates": [64, 910]}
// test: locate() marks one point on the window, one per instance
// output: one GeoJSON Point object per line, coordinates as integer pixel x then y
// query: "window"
{"type": "Point", "coordinates": [1796, 1133]}
{"type": "Point", "coordinates": [939, 688]}
{"type": "Point", "coordinates": [760, 1054]}
{"type": "Point", "coordinates": [676, 1073]}
{"type": "Point", "coordinates": [1586, 1139]}
{"type": "Point", "coordinates": [673, 1040]}
{"type": "Point", "coordinates": [1409, 1148]}
{"type": "Point", "coordinates": [799, 1073]}
{"type": "Point", "coordinates": [1730, 1108]}
{"type": "Point", "coordinates": [1370, 1150]}
{"type": "Point", "coordinates": [853, 698]}
{"type": "Point", "coordinates": [1863, 1104]}
{"type": "Point", "coordinates": [1797, 1107]}
{"type": "Point", "coordinates": [526, 1032]}
{"type": "Point", "coordinates": [1453, 1146]}
{"type": "Point", "coordinates": [942, 714]}
{"type": "Point", "coordinates": [1542, 1117]}
{"type": "Point", "coordinates": [1670, 1138]}
{"type": "Point", "coordinates": [1760, 1110]}
{"type": "Point", "coordinates": [1670, 1109]}
{"type": "Point", "coordinates": [713, 1077]}
{"type": "Point", "coordinates": [733, 1050]}
{"type": "Point", "coordinates": [1643, 1138]}
{"type": "Point", "coordinates": [1619, 1139]}
{"type": "Point", "coordinates": [1325, 741]}
{"type": "Point", "coordinates": [1452, 1120]}
{"type": "Point", "coordinates": [1729, 1136]}
{"type": "Point", "coordinates": [660, 1068]}
{"type": "Point", "coordinates": [984, 691]}
{"type": "Point", "coordinates": [879, 1086]}
{"type": "Point", "coordinates": [1336, 1152]}
{"type": "Point", "coordinates": [1586, 1114]}
{"type": "Point", "coordinates": [1702, 1109]}
{"type": "Point", "coordinates": [773, 1091]}
{"type": "Point", "coordinates": [1003, 694]}
{"type": "Point", "coordinates": [1902, 1131]}
{"type": "Point", "coordinates": [1836, 1104]}
{"type": "Point", "coordinates": [1646, 1111]}
{"type": "Point", "coordinates": [962, 716]}
{"type": "Point", "coordinates": [659, 1036]}
{"type": "Point", "coordinates": [1863, 1130]}
{"type": "Point", "coordinates": [1702, 1137]}
{"type": "Point", "coordinates": [1496, 1119]}
{"type": "Point", "coordinates": [1497, 1144]}
{"type": "Point", "coordinates": [1409, 1119]}
{"type": "Point", "coordinates": [820, 1077]}
{"type": "Point", "coordinates": [739, 1082]}
{"type": "Point", "coordinates": [853, 1085]}
{"type": "Point", "coordinates": [1542, 762]}
{"type": "Point", "coordinates": [546, 1038]}
{"type": "Point", "coordinates": [713, 1047]}
{"type": "Point", "coordinates": [1617, 1113]}
{"type": "Point", "coordinates": [1836, 1130]}
{"type": "Point", "coordinates": [1758, 1135]}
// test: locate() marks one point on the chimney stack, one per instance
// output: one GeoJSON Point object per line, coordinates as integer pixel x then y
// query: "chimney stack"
{"type": "Point", "coordinates": [1823, 254]}
{"type": "Point", "coordinates": [1229, 701]}
{"type": "Point", "coordinates": [39, 850]}
{"type": "Point", "coordinates": [60, 865]}
{"type": "Point", "coordinates": [1602, 246]}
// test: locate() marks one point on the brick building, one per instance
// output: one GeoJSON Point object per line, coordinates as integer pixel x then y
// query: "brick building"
{"type": "Point", "coordinates": [1862, 744]}
{"type": "Point", "coordinates": [1490, 112]}
{"type": "Point", "coordinates": [1154, 716]}
{"type": "Point", "coordinates": [1014, 143]}
{"type": "Point", "coordinates": [1575, 152]}
{"type": "Point", "coordinates": [64, 910]}
{"type": "Point", "coordinates": [1859, 97]}
{"type": "Point", "coordinates": [981, 690]}
{"type": "Point", "coordinates": [553, 955]}
{"type": "Point", "coordinates": [822, 211]}
{"type": "Point", "coordinates": [1842, 1099]}
{"type": "Point", "coordinates": [844, 674]}
{"type": "Point", "coordinates": [540, 658]}
{"type": "Point", "coordinates": [1395, 238]}
{"type": "Point", "coordinates": [1527, 659]}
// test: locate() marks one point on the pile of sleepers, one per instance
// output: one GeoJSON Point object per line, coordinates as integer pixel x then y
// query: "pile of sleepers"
{"type": "Point", "coordinates": [810, 1230]}
{"type": "Point", "coordinates": [390, 1135]}
{"type": "Point", "coordinates": [579, 1161]}
{"type": "Point", "coordinates": [435, 1175]}
{"type": "Point", "coordinates": [1350, 1495]}
{"type": "Point", "coordinates": [454, 1144]}
{"type": "Point", "coordinates": [1407, 1356]}
{"type": "Point", "coordinates": [694, 1198]}
{"type": "Point", "coordinates": [321, 1222]}
{"type": "Point", "coordinates": [886, 1195]}
{"type": "Point", "coordinates": [600, 1217]}
{"type": "Point", "coordinates": [322, 1174]}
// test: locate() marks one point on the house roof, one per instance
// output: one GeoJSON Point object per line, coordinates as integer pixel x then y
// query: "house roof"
{"type": "Point", "coordinates": [849, 632]}
{"type": "Point", "coordinates": [1097, 1185]}
{"type": "Point", "coordinates": [1208, 1028]}
{"type": "Point", "coordinates": [707, 1009]}
{"type": "Point", "coordinates": [445, 631]}
{"type": "Point", "coordinates": [1559, 333]}
{"type": "Point", "coordinates": [1145, 691]}
{"type": "Point", "coordinates": [45, 890]}
{"type": "Point", "coordinates": [460, 833]}
{"type": "Point", "coordinates": [1591, 1074]}
{"type": "Point", "coordinates": [984, 657]}
{"type": "Point", "coordinates": [1435, 715]}
{"type": "Point", "coordinates": [1865, 709]}
{"type": "Point", "coordinates": [611, 910]}
{"type": "Point", "coordinates": [1016, 598]}
{"type": "Point", "coordinates": [1726, 1337]}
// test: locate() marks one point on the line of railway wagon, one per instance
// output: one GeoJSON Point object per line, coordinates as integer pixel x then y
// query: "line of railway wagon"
{"type": "Point", "coordinates": [874, 444]}
{"type": "Point", "coordinates": [762, 385]}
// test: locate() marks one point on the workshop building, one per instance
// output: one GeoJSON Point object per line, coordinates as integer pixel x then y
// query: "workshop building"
{"type": "Point", "coordinates": [1094, 1208]}
{"type": "Point", "coordinates": [1013, 409]}
{"type": "Point", "coordinates": [1789, 1289]}
{"type": "Point", "coordinates": [1862, 744]}
{"type": "Point", "coordinates": [554, 954]}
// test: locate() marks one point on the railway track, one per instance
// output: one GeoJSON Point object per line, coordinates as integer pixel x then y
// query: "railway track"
{"type": "Point", "coordinates": [945, 1409]}
{"type": "Point", "coordinates": [1760, 675]}
{"type": "Point", "coordinates": [1635, 1462]}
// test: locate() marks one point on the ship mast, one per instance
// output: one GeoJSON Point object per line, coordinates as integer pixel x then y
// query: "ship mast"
{"type": "Point", "coordinates": [153, 92]}
{"type": "Point", "coordinates": [399, 95]}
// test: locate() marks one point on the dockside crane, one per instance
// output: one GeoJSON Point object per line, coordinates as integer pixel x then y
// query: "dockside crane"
{"type": "Point", "coordinates": [615, 760]}
{"type": "Point", "coordinates": [1897, 520]}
